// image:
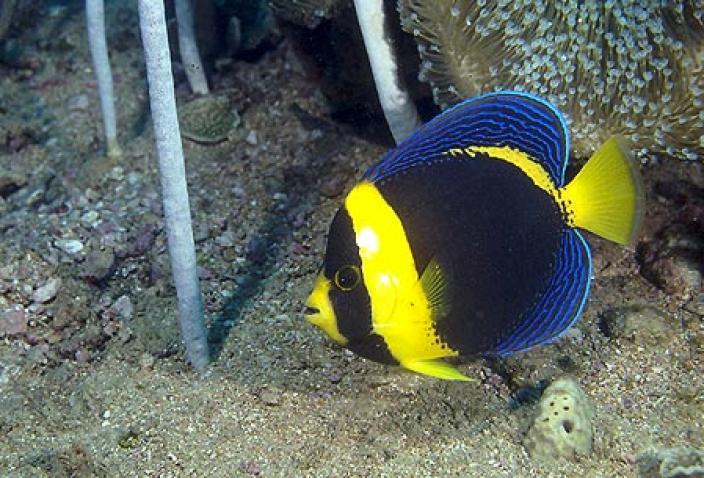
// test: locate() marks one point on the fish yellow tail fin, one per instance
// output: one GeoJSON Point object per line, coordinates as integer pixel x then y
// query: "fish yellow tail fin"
{"type": "Point", "coordinates": [606, 197]}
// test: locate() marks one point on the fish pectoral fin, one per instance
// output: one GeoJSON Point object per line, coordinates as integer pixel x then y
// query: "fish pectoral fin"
{"type": "Point", "coordinates": [437, 369]}
{"type": "Point", "coordinates": [435, 284]}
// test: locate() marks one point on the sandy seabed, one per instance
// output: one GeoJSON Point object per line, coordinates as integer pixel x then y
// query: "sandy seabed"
{"type": "Point", "coordinates": [92, 381]}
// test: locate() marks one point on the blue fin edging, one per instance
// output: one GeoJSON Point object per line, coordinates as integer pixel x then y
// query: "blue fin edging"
{"type": "Point", "coordinates": [503, 118]}
{"type": "Point", "coordinates": [562, 302]}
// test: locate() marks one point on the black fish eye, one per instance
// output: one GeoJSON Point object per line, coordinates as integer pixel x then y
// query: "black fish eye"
{"type": "Point", "coordinates": [347, 277]}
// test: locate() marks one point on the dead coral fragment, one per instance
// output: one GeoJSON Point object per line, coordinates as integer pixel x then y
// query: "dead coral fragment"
{"type": "Point", "coordinates": [614, 67]}
{"type": "Point", "coordinates": [563, 426]}
{"type": "Point", "coordinates": [208, 119]}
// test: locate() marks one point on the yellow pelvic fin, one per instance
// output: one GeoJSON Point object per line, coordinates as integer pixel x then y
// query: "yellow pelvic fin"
{"type": "Point", "coordinates": [606, 197]}
{"type": "Point", "coordinates": [437, 369]}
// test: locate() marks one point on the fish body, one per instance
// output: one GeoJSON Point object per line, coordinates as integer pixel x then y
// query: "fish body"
{"type": "Point", "coordinates": [463, 240]}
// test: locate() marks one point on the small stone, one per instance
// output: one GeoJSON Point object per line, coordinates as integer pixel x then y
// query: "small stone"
{"type": "Point", "coordinates": [675, 275]}
{"type": "Point", "coordinates": [250, 468]}
{"type": "Point", "coordinates": [90, 217]}
{"type": "Point", "coordinates": [48, 291]}
{"type": "Point", "coordinates": [332, 187]}
{"type": "Point", "coordinates": [78, 103]}
{"type": "Point", "coordinates": [643, 324]}
{"type": "Point", "coordinates": [123, 308]}
{"type": "Point", "coordinates": [269, 397]}
{"type": "Point", "coordinates": [256, 249]}
{"type": "Point", "coordinates": [251, 138]}
{"type": "Point", "coordinates": [13, 321]}
{"type": "Point", "coordinates": [143, 241]}
{"type": "Point", "coordinates": [82, 356]}
{"type": "Point", "coordinates": [146, 360]}
{"type": "Point", "coordinates": [679, 462]}
{"type": "Point", "coordinates": [70, 246]}
{"type": "Point", "coordinates": [11, 182]}
{"type": "Point", "coordinates": [204, 274]}
{"type": "Point", "coordinates": [98, 266]}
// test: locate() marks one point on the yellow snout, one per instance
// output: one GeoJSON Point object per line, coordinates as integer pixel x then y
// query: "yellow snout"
{"type": "Point", "coordinates": [321, 311]}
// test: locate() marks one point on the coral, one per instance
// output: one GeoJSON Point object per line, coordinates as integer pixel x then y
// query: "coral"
{"type": "Point", "coordinates": [177, 212]}
{"type": "Point", "coordinates": [614, 67]}
{"type": "Point", "coordinates": [563, 425]}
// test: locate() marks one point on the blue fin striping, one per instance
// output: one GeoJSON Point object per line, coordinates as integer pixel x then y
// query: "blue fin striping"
{"type": "Point", "coordinates": [504, 118]}
{"type": "Point", "coordinates": [562, 302]}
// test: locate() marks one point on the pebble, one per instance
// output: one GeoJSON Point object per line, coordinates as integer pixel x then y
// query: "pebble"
{"type": "Point", "coordinates": [250, 468]}
{"type": "Point", "coordinates": [269, 397]}
{"type": "Point", "coordinates": [252, 138]}
{"type": "Point", "coordinates": [98, 266]}
{"type": "Point", "coordinates": [90, 217]}
{"type": "Point", "coordinates": [676, 275]}
{"type": "Point", "coordinates": [70, 246]}
{"type": "Point", "coordinates": [679, 462]}
{"type": "Point", "coordinates": [48, 291]}
{"type": "Point", "coordinates": [123, 308]}
{"type": "Point", "coordinates": [643, 324]}
{"type": "Point", "coordinates": [332, 187]}
{"type": "Point", "coordinates": [78, 103]}
{"type": "Point", "coordinates": [11, 182]}
{"type": "Point", "coordinates": [146, 360]}
{"type": "Point", "coordinates": [13, 321]}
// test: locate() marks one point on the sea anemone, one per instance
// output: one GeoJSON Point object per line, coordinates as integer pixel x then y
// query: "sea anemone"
{"type": "Point", "coordinates": [634, 68]}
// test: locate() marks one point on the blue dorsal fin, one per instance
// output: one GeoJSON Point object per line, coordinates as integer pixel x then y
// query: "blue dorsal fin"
{"type": "Point", "coordinates": [560, 305]}
{"type": "Point", "coordinates": [505, 118]}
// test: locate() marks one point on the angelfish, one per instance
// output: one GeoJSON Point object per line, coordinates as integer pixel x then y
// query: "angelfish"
{"type": "Point", "coordinates": [464, 240]}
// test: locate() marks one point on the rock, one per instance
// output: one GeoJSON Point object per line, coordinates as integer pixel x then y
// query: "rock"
{"type": "Point", "coordinates": [563, 426]}
{"type": "Point", "coordinates": [13, 321]}
{"type": "Point", "coordinates": [269, 397]}
{"type": "Point", "coordinates": [69, 246]}
{"type": "Point", "coordinates": [332, 187]}
{"type": "Point", "coordinates": [677, 275]}
{"type": "Point", "coordinates": [98, 266]}
{"type": "Point", "coordinates": [78, 103]}
{"type": "Point", "coordinates": [679, 462]}
{"type": "Point", "coordinates": [251, 138]}
{"type": "Point", "coordinates": [90, 217]}
{"type": "Point", "coordinates": [146, 360]}
{"type": "Point", "coordinates": [123, 308]}
{"type": "Point", "coordinates": [643, 324]}
{"type": "Point", "coordinates": [11, 182]}
{"type": "Point", "coordinates": [47, 292]}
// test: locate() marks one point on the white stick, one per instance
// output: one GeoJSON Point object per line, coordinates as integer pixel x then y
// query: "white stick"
{"type": "Point", "coordinates": [399, 110]}
{"type": "Point", "coordinates": [95, 22]}
{"type": "Point", "coordinates": [189, 48]}
{"type": "Point", "coordinates": [177, 213]}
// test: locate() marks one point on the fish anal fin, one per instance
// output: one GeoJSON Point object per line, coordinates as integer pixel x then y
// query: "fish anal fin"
{"type": "Point", "coordinates": [606, 197]}
{"type": "Point", "coordinates": [436, 368]}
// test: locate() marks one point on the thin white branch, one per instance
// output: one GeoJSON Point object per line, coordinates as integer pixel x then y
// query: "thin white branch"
{"type": "Point", "coordinates": [177, 213]}
{"type": "Point", "coordinates": [189, 48]}
{"type": "Point", "coordinates": [399, 110]}
{"type": "Point", "coordinates": [95, 22]}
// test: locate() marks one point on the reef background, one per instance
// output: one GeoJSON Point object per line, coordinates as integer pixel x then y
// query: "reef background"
{"type": "Point", "coordinates": [91, 377]}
